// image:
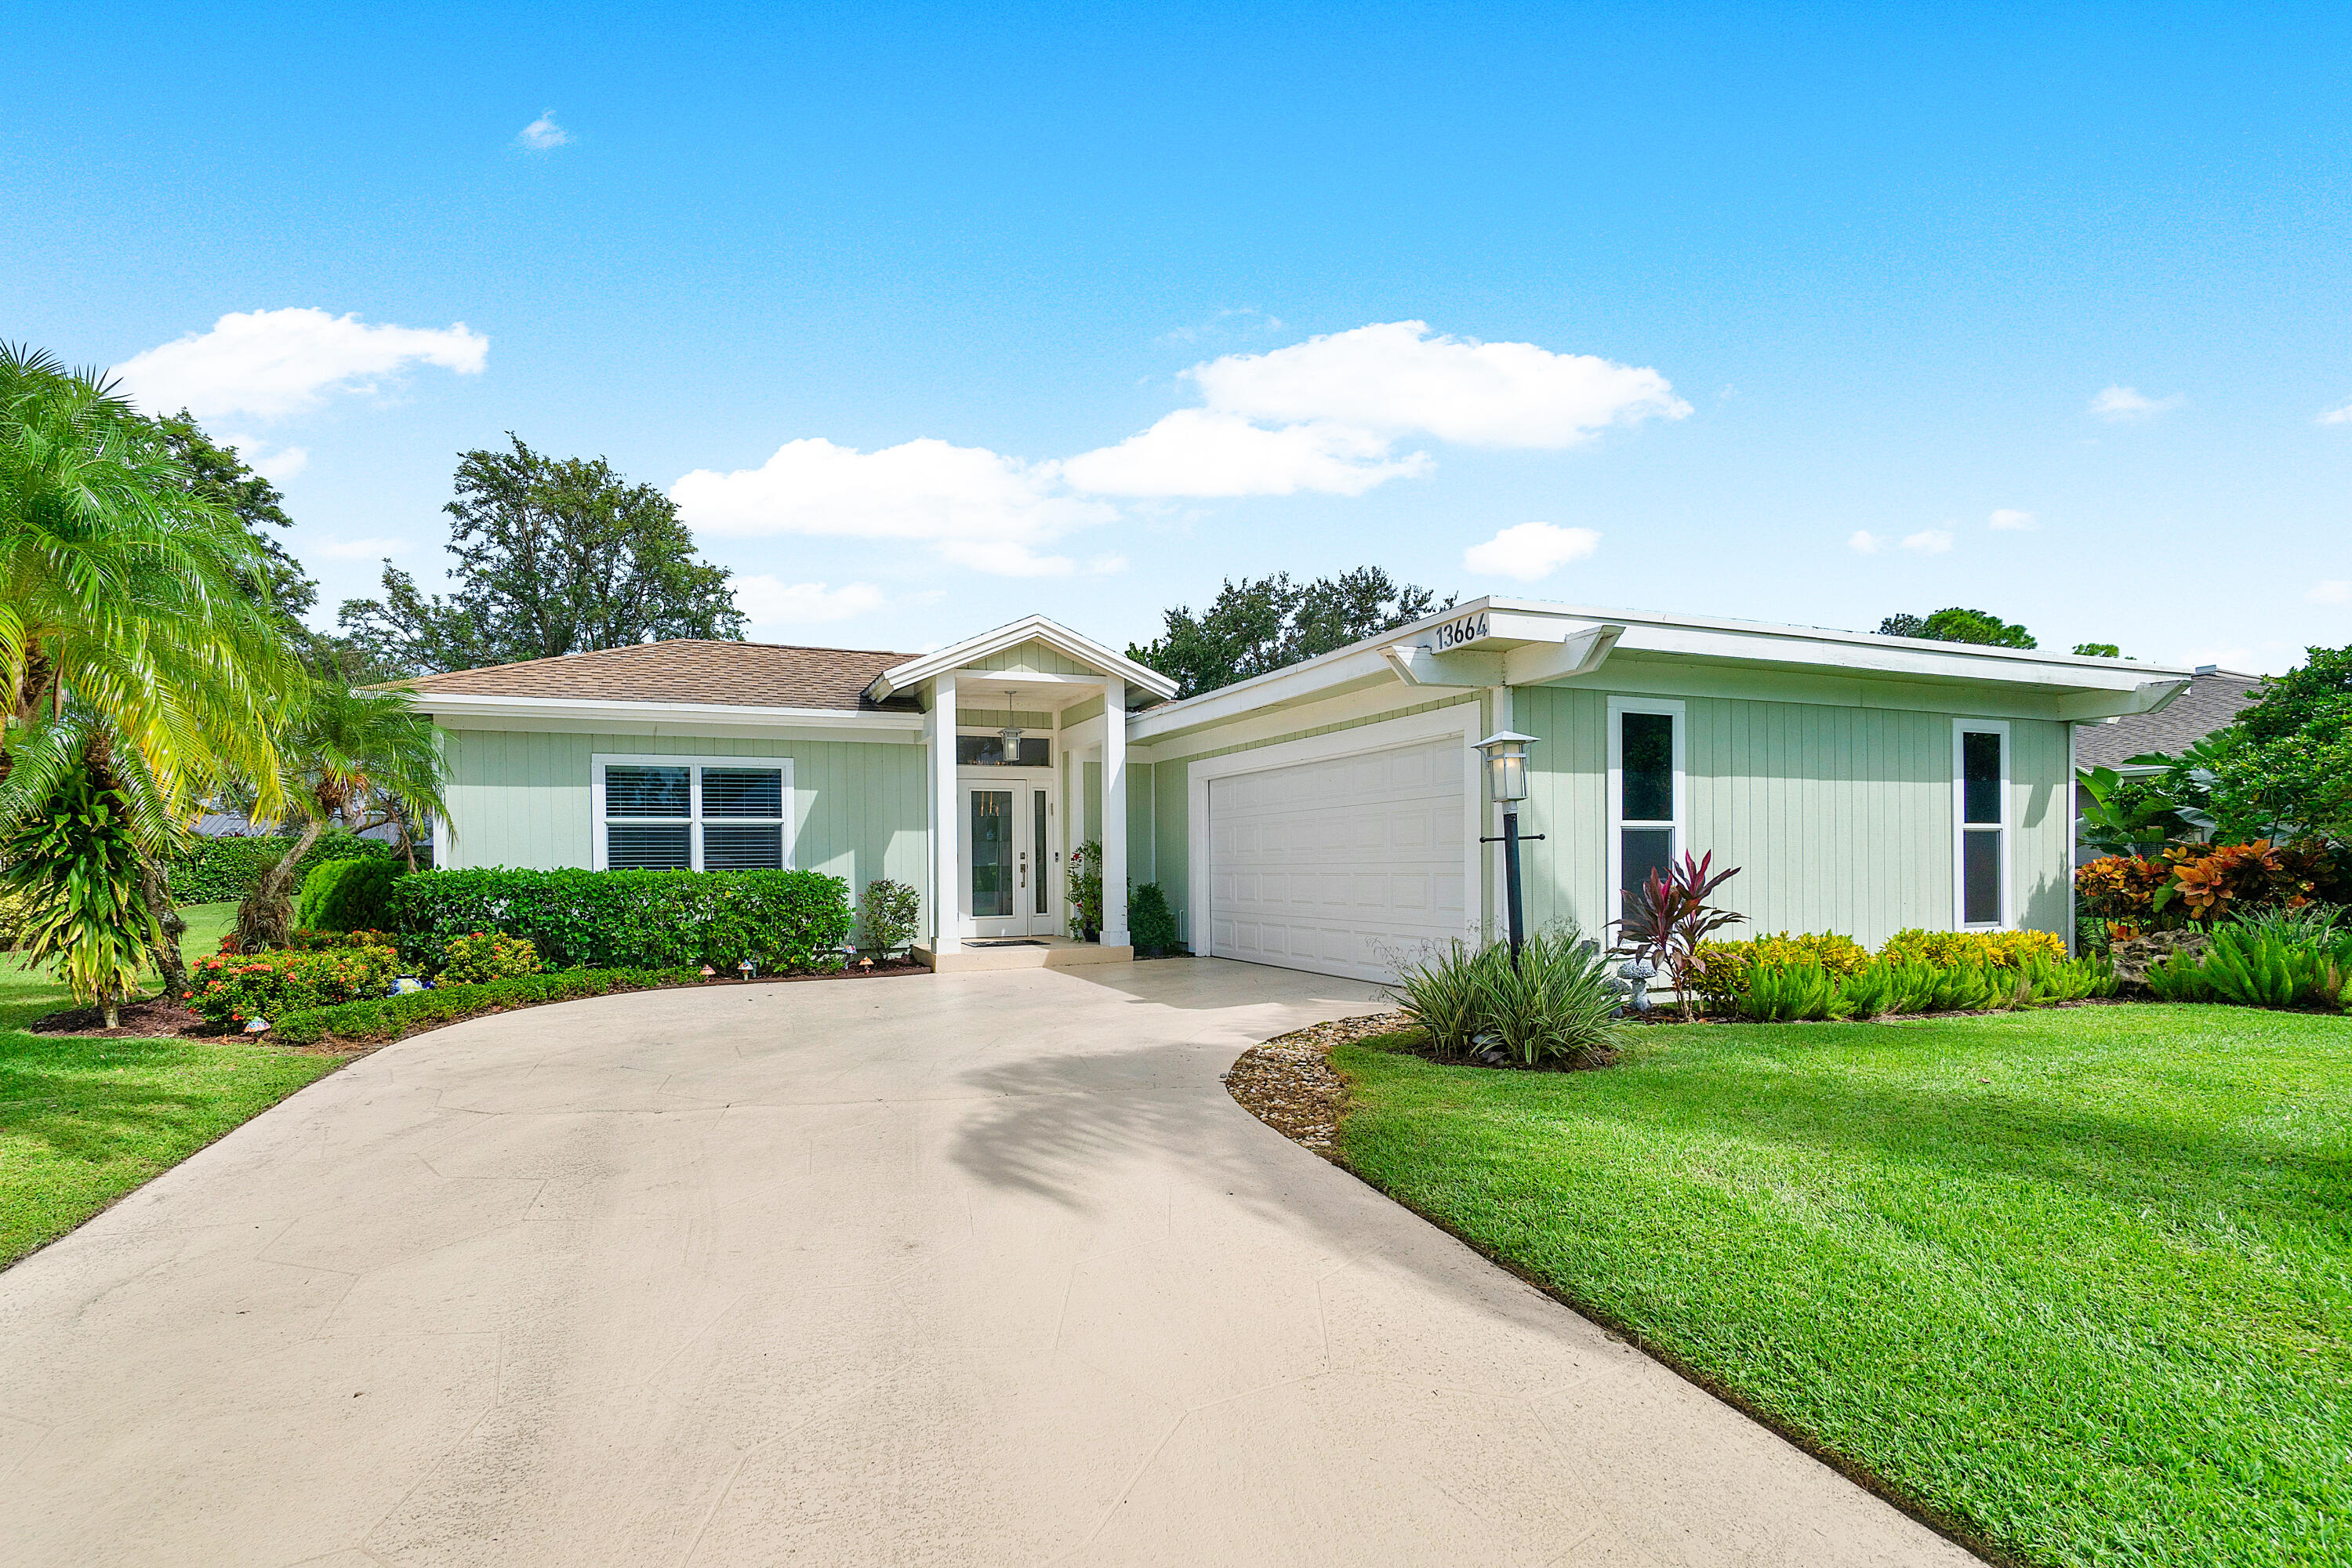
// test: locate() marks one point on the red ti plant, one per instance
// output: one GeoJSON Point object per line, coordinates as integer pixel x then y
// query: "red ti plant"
{"type": "Point", "coordinates": [1668, 916]}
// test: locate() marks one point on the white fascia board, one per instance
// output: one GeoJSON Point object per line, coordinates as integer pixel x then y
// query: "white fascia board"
{"type": "Point", "coordinates": [545, 712]}
{"type": "Point", "coordinates": [1030, 628]}
{"type": "Point", "coordinates": [1362, 664]}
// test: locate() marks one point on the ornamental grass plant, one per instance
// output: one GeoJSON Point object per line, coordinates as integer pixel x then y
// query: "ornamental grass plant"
{"type": "Point", "coordinates": [1556, 1006]}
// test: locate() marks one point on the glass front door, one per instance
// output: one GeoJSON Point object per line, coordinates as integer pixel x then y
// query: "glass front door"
{"type": "Point", "coordinates": [1007, 882]}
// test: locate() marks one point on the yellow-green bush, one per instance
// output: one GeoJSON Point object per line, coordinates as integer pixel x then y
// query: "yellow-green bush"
{"type": "Point", "coordinates": [2006, 949]}
{"type": "Point", "coordinates": [1722, 964]}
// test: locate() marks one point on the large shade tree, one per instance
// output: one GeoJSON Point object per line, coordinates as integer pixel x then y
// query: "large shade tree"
{"type": "Point", "coordinates": [1267, 624]}
{"type": "Point", "coordinates": [133, 648]}
{"type": "Point", "coordinates": [554, 556]}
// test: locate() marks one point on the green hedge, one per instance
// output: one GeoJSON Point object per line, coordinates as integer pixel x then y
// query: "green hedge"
{"type": "Point", "coordinates": [784, 921]}
{"type": "Point", "coordinates": [346, 895]}
{"type": "Point", "coordinates": [378, 1020]}
{"type": "Point", "coordinates": [212, 869]}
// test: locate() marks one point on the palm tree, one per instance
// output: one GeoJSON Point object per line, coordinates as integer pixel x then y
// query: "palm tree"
{"type": "Point", "coordinates": [131, 645]}
{"type": "Point", "coordinates": [349, 755]}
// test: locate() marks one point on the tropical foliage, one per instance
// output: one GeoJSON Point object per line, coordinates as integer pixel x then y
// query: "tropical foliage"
{"type": "Point", "coordinates": [75, 865]}
{"type": "Point", "coordinates": [1086, 890]}
{"type": "Point", "coordinates": [2206, 883]}
{"type": "Point", "coordinates": [1555, 1006]}
{"type": "Point", "coordinates": [2261, 964]}
{"type": "Point", "coordinates": [1668, 918]}
{"type": "Point", "coordinates": [486, 955]}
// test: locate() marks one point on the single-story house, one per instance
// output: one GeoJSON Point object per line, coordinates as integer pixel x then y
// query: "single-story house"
{"type": "Point", "coordinates": [1326, 817]}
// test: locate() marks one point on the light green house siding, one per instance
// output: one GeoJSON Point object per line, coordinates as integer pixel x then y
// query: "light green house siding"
{"type": "Point", "coordinates": [522, 798]}
{"type": "Point", "coordinates": [1840, 817]}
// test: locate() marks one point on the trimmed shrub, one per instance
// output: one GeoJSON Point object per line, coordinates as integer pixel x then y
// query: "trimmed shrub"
{"type": "Point", "coordinates": [891, 912]}
{"type": "Point", "coordinates": [1719, 970]}
{"type": "Point", "coordinates": [229, 988]}
{"type": "Point", "coordinates": [1149, 925]}
{"type": "Point", "coordinates": [391, 1017]}
{"type": "Point", "coordinates": [347, 895]}
{"type": "Point", "coordinates": [784, 921]}
{"type": "Point", "coordinates": [486, 955]}
{"type": "Point", "coordinates": [213, 870]}
{"type": "Point", "coordinates": [1945, 948]}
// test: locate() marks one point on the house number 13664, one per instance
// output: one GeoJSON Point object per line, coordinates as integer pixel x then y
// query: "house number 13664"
{"type": "Point", "coordinates": [1456, 633]}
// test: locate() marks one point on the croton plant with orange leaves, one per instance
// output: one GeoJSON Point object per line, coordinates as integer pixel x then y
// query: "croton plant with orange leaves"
{"type": "Point", "coordinates": [2204, 882]}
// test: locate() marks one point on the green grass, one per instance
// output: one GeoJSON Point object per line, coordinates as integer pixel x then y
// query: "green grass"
{"type": "Point", "coordinates": [2077, 1282]}
{"type": "Point", "coordinates": [84, 1121]}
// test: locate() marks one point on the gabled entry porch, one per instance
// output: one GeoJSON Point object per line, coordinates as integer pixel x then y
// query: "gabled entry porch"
{"type": "Point", "coordinates": [1024, 739]}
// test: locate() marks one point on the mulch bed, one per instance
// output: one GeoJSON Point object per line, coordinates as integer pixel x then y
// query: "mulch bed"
{"type": "Point", "coordinates": [150, 1018]}
{"type": "Point", "coordinates": [1287, 1082]}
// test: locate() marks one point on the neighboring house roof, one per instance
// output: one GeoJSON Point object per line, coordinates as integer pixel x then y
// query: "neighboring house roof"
{"type": "Point", "coordinates": [2214, 698]}
{"type": "Point", "coordinates": [687, 671]}
{"type": "Point", "coordinates": [236, 825]}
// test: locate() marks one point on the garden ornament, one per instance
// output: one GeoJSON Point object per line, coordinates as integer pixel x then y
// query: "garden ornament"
{"type": "Point", "coordinates": [748, 969]}
{"type": "Point", "coordinates": [255, 1025]}
{"type": "Point", "coordinates": [707, 972]}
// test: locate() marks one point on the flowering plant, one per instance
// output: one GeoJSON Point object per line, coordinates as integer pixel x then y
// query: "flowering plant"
{"type": "Point", "coordinates": [229, 989]}
{"type": "Point", "coordinates": [486, 955]}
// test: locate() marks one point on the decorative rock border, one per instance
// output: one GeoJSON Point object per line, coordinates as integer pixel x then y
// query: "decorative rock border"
{"type": "Point", "coordinates": [1287, 1083]}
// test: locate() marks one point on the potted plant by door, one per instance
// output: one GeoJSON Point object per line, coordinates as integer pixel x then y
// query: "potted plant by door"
{"type": "Point", "coordinates": [1086, 890]}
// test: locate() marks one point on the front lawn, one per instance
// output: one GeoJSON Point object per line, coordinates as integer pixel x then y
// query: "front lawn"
{"type": "Point", "coordinates": [2077, 1282]}
{"type": "Point", "coordinates": [83, 1122]}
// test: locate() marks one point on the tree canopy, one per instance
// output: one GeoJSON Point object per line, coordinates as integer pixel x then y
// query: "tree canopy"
{"type": "Point", "coordinates": [1256, 625]}
{"type": "Point", "coordinates": [554, 556]}
{"type": "Point", "coordinates": [2286, 763]}
{"type": "Point", "coordinates": [216, 474]}
{"type": "Point", "coordinates": [1980, 626]}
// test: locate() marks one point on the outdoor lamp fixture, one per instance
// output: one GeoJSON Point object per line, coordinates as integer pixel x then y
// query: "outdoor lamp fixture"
{"type": "Point", "coordinates": [1010, 733]}
{"type": "Point", "coordinates": [1505, 752]}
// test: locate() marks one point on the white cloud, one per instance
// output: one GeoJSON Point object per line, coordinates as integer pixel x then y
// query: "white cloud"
{"type": "Point", "coordinates": [1528, 551]}
{"type": "Point", "coordinates": [1200, 452]}
{"type": "Point", "coordinates": [1862, 539]}
{"type": "Point", "coordinates": [271, 363]}
{"type": "Point", "coordinates": [986, 512]}
{"type": "Point", "coordinates": [765, 601]}
{"type": "Point", "coordinates": [543, 133]}
{"type": "Point", "coordinates": [1394, 377]}
{"type": "Point", "coordinates": [2119, 404]}
{"type": "Point", "coordinates": [277, 466]}
{"type": "Point", "coordinates": [2330, 591]}
{"type": "Point", "coordinates": [2011, 521]}
{"type": "Point", "coordinates": [2338, 415]}
{"type": "Point", "coordinates": [1928, 540]}
{"type": "Point", "coordinates": [363, 549]}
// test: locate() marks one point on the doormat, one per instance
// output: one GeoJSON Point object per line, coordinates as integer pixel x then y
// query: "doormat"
{"type": "Point", "coordinates": [1007, 941]}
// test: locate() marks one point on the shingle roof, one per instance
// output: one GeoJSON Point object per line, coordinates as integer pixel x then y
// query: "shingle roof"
{"type": "Point", "coordinates": [746, 674]}
{"type": "Point", "coordinates": [2211, 701]}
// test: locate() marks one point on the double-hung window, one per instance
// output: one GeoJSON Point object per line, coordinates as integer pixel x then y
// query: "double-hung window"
{"type": "Point", "coordinates": [1979, 824]}
{"type": "Point", "coordinates": [692, 814]}
{"type": "Point", "coordinates": [1645, 791]}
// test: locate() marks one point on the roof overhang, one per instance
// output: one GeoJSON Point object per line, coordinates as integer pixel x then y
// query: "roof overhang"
{"type": "Point", "coordinates": [1522, 642]}
{"type": "Point", "coordinates": [1034, 628]}
{"type": "Point", "coordinates": [541, 710]}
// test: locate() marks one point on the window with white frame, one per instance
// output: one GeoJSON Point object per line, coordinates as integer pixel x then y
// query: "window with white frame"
{"type": "Point", "coordinates": [692, 814]}
{"type": "Point", "coordinates": [1979, 824]}
{"type": "Point", "coordinates": [1646, 790]}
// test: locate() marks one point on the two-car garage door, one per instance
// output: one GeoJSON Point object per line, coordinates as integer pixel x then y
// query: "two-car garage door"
{"type": "Point", "coordinates": [1342, 867]}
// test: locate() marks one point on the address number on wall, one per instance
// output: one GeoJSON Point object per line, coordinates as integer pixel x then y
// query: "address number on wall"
{"type": "Point", "coordinates": [1462, 633]}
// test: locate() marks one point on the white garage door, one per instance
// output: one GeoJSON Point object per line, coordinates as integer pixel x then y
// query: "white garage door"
{"type": "Point", "coordinates": [1341, 867]}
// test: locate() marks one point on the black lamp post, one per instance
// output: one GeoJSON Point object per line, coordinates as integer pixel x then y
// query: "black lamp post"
{"type": "Point", "coordinates": [1506, 752]}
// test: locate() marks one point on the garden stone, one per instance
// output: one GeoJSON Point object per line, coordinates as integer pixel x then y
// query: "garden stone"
{"type": "Point", "coordinates": [2134, 955]}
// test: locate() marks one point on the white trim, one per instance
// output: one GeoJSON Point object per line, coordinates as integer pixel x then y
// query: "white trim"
{"type": "Point", "coordinates": [1460, 718]}
{"type": "Point", "coordinates": [599, 860]}
{"type": "Point", "coordinates": [2073, 840]}
{"type": "Point", "coordinates": [2006, 827]}
{"type": "Point", "coordinates": [1612, 902]}
{"type": "Point", "coordinates": [1030, 628]}
{"type": "Point", "coordinates": [455, 705]}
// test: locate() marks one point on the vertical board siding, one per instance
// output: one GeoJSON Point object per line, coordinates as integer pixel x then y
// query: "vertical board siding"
{"type": "Point", "coordinates": [1840, 818]}
{"type": "Point", "coordinates": [1035, 657]}
{"type": "Point", "coordinates": [522, 798]}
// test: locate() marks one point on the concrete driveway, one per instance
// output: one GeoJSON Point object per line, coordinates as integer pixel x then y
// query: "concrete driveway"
{"type": "Point", "coordinates": [982, 1269]}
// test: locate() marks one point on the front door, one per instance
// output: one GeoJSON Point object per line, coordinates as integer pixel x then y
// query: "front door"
{"type": "Point", "coordinates": [1008, 888]}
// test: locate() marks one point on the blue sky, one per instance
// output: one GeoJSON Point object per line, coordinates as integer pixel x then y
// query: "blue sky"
{"type": "Point", "coordinates": [1890, 273]}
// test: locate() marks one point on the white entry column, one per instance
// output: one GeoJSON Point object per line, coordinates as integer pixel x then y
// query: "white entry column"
{"type": "Point", "coordinates": [947, 876]}
{"type": "Point", "coordinates": [1114, 811]}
